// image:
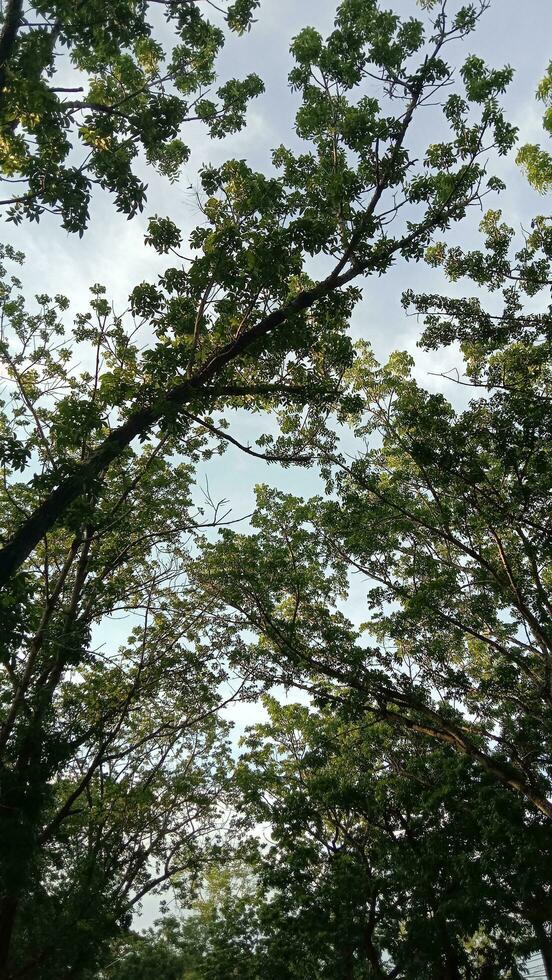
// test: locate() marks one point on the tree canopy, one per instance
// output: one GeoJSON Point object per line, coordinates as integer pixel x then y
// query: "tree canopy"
{"type": "Point", "coordinates": [396, 823]}
{"type": "Point", "coordinates": [447, 515]}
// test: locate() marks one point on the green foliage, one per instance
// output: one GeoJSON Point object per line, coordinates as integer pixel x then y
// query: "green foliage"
{"type": "Point", "coordinates": [215, 939]}
{"type": "Point", "coordinates": [379, 857]}
{"type": "Point", "coordinates": [536, 162]}
{"type": "Point", "coordinates": [446, 514]}
{"type": "Point", "coordinates": [370, 836]}
{"type": "Point", "coordinates": [114, 773]}
{"type": "Point", "coordinates": [128, 92]}
{"type": "Point", "coordinates": [447, 517]}
{"type": "Point", "coordinates": [144, 959]}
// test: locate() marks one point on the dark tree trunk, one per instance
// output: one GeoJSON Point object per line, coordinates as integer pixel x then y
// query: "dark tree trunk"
{"type": "Point", "coordinates": [22, 788]}
{"type": "Point", "coordinates": [545, 944]}
{"type": "Point", "coordinates": [8, 911]}
{"type": "Point", "coordinates": [447, 968]}
{"type": "Point", "coordinates": [8, 37]}
{"type": "Point", "coordinates": [546, 953]}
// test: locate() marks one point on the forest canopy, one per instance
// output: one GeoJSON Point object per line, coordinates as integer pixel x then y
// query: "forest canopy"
{"type": "Point", "coordinates": [386, 628]}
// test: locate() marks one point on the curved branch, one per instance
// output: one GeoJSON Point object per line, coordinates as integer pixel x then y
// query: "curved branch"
{"type": "Point", "coordinates": [142, 420]}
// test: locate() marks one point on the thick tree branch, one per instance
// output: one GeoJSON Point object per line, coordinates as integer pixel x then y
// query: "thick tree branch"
{"type": "Point", "coordinates": [8, 37]}
{"type": "Point", "coordinates": [142, 420]}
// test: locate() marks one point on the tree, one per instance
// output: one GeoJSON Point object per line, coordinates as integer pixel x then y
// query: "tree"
{"type": "Point", "coordinates": [379, 857]}
{"type": "Point", "coordinates": [215, 938]}
{"type": "Point", "coordinates": [259, 231]}
{"type": "Point", "coordinates": [122, 90]}
{"type": "Point", "coordinates": [378, 863]}
{"type": "Point", "coordinates": [146, 957]}
{"type": "Point", "coordinates": [96, 511]}
{"type": "Point", "coordinates": [446, 514]}
{"type": "Point", "coordinates": [114, 758]}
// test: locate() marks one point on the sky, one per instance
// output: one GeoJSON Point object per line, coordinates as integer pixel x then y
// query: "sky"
{"type": "Point", "coordinates": [112, 250]}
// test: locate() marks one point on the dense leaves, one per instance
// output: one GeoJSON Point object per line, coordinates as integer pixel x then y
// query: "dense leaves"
{"type": "Point", "coordinates": [379, 857]}
{"type": "Point", "coordinates": [220, 321]}
{"type": "Point", "coordinates": [448, 519]}
{"type": "Point", "coordinates": [86, 87]}
{"type": "Point", "coordinates": [536, 161]}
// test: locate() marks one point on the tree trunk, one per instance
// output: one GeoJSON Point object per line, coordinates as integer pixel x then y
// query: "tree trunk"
{"type": "Point", "coordinates": [8, 910]}
{"type": "Point", "coordinates": [22, 788]}
{"type": "Point", "coordinates": [8, 37]}
{"type": "Point", "coordinates": [546, 952]}
{"type": "Point", "coordinates": [447, 968]}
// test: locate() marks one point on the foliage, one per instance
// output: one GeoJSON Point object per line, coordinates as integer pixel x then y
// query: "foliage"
{"type": "Point", "coordinates": [114, 756]}
{"type": "Point", "coordinates": [379, 857]}
{"type": "Point", "coordinates": [445, 513]}
{"type": "Point", "coordinates": [219, 320]}
{"type": "Point", "coordinates": [216, 938]}
{"type": "Point", "coordinates": [148, 957]}
{"type": "Point", "coordinates": [536, 162]}
{"type": "Point", "coordinates": [370, 838]}
{"type": "Point", "coordinates": [85, 87]}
